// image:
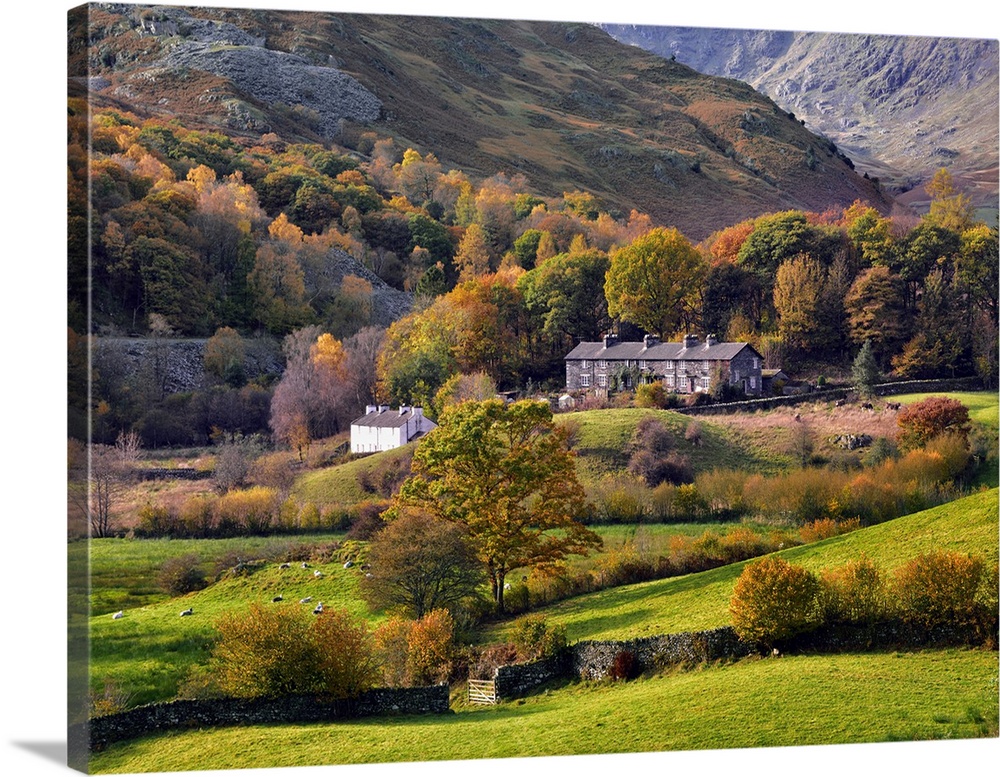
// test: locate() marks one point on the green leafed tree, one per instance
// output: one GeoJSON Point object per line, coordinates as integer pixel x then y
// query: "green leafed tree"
{"type": "Point", "coordinates": [654, 282]}
{"type": "Point", "coordinates": [507, 474]}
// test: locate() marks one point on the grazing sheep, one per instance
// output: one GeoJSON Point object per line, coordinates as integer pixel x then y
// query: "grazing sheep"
{"type": "Point", "coordinates": [317, 573]}
{"type": "Point", "coordinates": [188, 611]}
{"type": "Point", "coordinates": [318, 609]}
{"type": "Point", "coordinates": [305, 565]}
{"type": "Point", "coordinates": [306, 600]}
{"type": "Point", "coordinates": [119, 614]}
{"type": "Point", "coordinates": [278, 599]}
{"type": "Point", "coordinates": [348, 564]}
{"type": "Point", "coordinates": [893, 405]}
{"type": "Point", "coordinates": [286, 565]}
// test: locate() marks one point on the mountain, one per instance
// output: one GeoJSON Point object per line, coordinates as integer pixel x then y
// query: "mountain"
{"type": "Point", "coordinates": [564, 104]}
{"type": "Point", "coordinates": [900, 106]}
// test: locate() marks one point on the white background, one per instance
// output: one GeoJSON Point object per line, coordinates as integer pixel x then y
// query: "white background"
{"type": "Point", "coordinates": [33, 281]}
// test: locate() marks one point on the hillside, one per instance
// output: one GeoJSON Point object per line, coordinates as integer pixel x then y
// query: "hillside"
{"type": "Point", "coordinates": [563, 104]}
{"type": "Point", "coordinates": [701, 601]}
{"type": "Point", "coordinates": [939, 95]}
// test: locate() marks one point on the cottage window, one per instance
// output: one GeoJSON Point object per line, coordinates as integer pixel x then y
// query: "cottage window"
{"type": "Point", "coordinates": [753, 382]}
{"type": "Point", "coordinates": [706, 383]}
{"type": "Point", "coordinates": [584, 381]}
{"type": "Point", "coordinates": [706, 365]}
{"type": "Point", "coordinates": [642, 364]}
{"type": "Point", "coordinates": [670, 381]}
{"type": "Point", "coordinates": [603, 364]}
{"type": "Point", "coordinates": [584, 364]}
{"type": "Point", "coordinates": [756, 363]}
{"type": "Point", "coordinates": [602, 381]}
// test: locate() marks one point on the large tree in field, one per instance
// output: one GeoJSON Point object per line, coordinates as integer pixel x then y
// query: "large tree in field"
{"type": "Point", "coordinates": [507, 474]}
{"type": "Point", "coordinates": [654, 282]}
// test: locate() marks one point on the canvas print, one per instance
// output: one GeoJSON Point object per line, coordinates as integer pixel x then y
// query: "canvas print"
{"type": "Point", "coordinates": [452, 388]}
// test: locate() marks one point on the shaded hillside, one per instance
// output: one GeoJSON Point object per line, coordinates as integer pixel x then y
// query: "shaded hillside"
{"type": "Point", "coordinates": [564, 104]}
{"type": "Point", "coordinates": [900, 106]}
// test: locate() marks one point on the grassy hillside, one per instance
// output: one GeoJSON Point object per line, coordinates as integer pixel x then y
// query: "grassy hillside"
{"type": "Point", "coordinates": [151, 650]}
{"type": "Point", "coordinates": [701, 601]}
{"type": "Point", "coordinates": [824, 699]}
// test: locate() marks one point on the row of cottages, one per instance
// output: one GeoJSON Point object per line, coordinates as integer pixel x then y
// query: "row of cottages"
{"type": "Point", "coordinates": [381, 429]}
{"type": "Point", "coordinates": [686, 367]}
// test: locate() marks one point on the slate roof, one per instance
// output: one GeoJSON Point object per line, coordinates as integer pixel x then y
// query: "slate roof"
{"type": "Point", "coordinates": [387, 419]}
{"type": "Point", "coordinates": [657, 352]}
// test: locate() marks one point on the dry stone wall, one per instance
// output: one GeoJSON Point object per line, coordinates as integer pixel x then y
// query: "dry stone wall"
{"type": "Point", "coordinates": [104, 730]}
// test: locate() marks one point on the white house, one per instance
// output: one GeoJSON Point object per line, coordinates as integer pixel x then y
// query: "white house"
{"type": "Point", "coordinates": [381, 429]}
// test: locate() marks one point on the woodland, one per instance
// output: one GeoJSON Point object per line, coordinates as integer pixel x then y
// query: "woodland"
{"type": "Point", "coordinates": [382, 276]}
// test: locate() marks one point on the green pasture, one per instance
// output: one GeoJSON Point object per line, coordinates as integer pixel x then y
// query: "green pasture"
{"type": "Point", "coordinates": [151, 650]}
{"type": "Point", "coordinates": [793, 700]}
{"type": "Point", "coordinates": [123, 572]}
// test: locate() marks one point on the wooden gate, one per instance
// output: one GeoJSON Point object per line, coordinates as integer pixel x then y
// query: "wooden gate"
{"type": "Point", "coordinates": [482, 692]}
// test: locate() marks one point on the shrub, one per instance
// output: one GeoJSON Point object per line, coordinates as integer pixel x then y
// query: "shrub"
{"type": "Point", "coordinates": [182, 575]}
{"type": "Point", "coordinates": [774, 600]}
{"type": "Point", "coordinates": [391, 639]}
{"type": "Point", "coordinates": [922, 421]}
{"type": "Point", "coordinates": [346, 658]}
{"type": "Point", "coordinates": [650, 395]}
{"type": "Point", "coordinates": [623, 666]}
{"type": "Point", "coordinates": [111, 700]}
{"type": "Point", "coordinates": [490, 658]}
{"type": "Point", "coordinates": [938, 589]}
{"type": "Point", "coordinates": [533, 638]}
{"type": "Point", "coordinates": [270, 652]}
{"type": "Point", "coordinates": [854, 593]}
{"type": "Point", "coordinates": [366, 519]}
{"type": "Point", "coordinates": [265, 652]}
{"type": "Point", "coordinates": [430, 648]}
{"type": "Point", "coordinates": [252, 510]}
{"type": "Point", "coordinates": [693, 433]}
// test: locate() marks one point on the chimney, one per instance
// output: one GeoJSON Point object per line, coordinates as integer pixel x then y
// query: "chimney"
{"type": "Point", "coordinates": [710, 341]}
{"type": "Point", "coordinates": [403, 409]}
{"type": "Point", "coordinates": [610, 340]}
{"type": "Point", "coordinates": [369, 409]}
{"type": "Point", "coordinates": [383, 408]}
{"type": "Point", "coordinates": [650, 340]}
{"type": "Point", "coordinates": [690, 341]}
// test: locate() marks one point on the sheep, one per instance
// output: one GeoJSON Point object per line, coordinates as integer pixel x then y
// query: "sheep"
{"type": "Point", "coordinates": [305, 600]}
{"type": "Point", "coordinates": [286, 565]}
{"type": "Point", "coordinates": [119, 614]}
{"type": "Point", "coordinates": [278, 599]}
{"type": "Point", "coordinates": [305, 565]}
{"type": "Point", "coordinates": [318, 609]}
{"type": "Point", "coordinates": [188, 611]}
{"type": "Point", "coordinates": [348, 564]}
{"type": "Point", "coordinates": [317, 574]}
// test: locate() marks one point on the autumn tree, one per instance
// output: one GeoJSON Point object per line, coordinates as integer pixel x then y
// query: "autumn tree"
{"type": "Point", "coordinates": [923, 421]}
{"type": "Point", "coordinates": [420, 563]}
{"type": "Point", "coordinates": [798, 288]}
{"type": "Point", "coordinates": [506, 473]}
{"type": "Point", "coordinates": [875, 310]}
{"type": "Point", "coordinates": [278, 281]}
{"type": "Point", "coordinates": [473, 257]}
{"type": "Point", "coordinates": [654, 281]}
{"type": "Point", "coordinates": [950, 208]}
{"type": "Point", "coordinates": [313, 393]}
{"type": "Point", "coordinates": [223, 356]}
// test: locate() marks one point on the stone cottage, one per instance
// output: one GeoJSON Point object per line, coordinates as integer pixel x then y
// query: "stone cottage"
{"type": "Point", "coordinates": [686, 367]}
{"type": "Point", "coordinates": [381, 429]}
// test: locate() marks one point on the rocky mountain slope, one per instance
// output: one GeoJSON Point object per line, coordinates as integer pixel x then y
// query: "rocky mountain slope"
{"type": "Point", "coordinates": [901, 107]}
{"type": "Point", "coordinates": [563, 104]}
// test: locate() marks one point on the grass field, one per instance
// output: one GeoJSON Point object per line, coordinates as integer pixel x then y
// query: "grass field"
{"type": "Point", "coordinates": [799, 700]}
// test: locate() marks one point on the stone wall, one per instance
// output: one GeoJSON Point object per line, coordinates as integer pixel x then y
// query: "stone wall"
{"type": "Point", "coordinates": [104, 730]}
{"type": "Point", "coordinates": [833, 394]}
{"type": "Point", "coordinates": [591, 660]}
